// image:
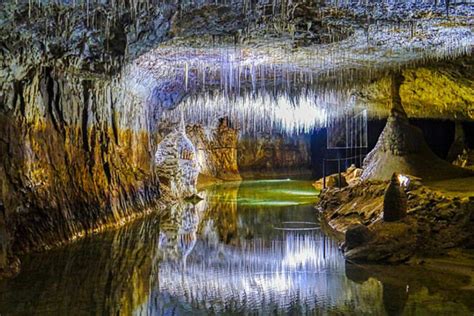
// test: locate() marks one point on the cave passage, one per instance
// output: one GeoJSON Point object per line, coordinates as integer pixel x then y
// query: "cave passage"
{"type": "Point", "coordinates": [177, 157]}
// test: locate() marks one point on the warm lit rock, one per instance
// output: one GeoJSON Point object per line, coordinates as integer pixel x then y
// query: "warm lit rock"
{"type": "Point", "coordinates": [443, 90]}
{"type": "Point", "coordinates": [435, 220]}
{"type": "Point", "coordinates": [216, 150]}
{"type": "Point", "coordinates": [349, 177]}
{"type": "Point", "coordinates": [402, 148]}
{"type": "Point", "coordinates": [268, 154]}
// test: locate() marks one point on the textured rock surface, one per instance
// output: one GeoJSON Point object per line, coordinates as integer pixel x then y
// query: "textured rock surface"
{"type": "Point", "coordinates": [435, 221]}
{"type": "Point", "coordinates": [272, 154]}
{"type": "Point", "coordinates": [74, 159]}
{"type": "Point", "coordinates": [216, 150]}
{"type": "Point", "coordinates": [459, 142]}
{"type": "Point", "coordinates": [443, 90]}
{"type": "Point", "coordinates": [177, 165]}
{"type": "Point", "coordinates": [465, 159]}
{"type": "Point", "coordinates": [394, 201]}
{"type": "Point", "coordinates": [402, 148]}
{"type": "Point", "coordinates": [356, 235]}
{"type": "Point", "coordinates": [349, 177]}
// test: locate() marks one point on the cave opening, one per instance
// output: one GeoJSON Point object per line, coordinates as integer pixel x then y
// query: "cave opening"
{"type": "Point", "coordinates": [236, 157]}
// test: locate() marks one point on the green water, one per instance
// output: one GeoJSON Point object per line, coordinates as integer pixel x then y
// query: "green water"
{"type": "Point", "coordinates": [226, 255]}
{"type": "Point", "coordinates": [267, 193]}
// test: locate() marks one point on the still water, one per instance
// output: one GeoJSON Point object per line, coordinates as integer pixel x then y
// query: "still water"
{"type": "Point", "coordinates": [249, 248]}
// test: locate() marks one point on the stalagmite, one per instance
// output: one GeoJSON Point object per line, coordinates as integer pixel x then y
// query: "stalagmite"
{"type": "Point", "coordinates": [395, 201]}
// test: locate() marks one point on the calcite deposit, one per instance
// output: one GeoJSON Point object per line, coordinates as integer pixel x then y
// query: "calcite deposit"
{"type": "Point", "coordinates": [216, 149]}
{"type": "Point", "coordinates": [177, 166]}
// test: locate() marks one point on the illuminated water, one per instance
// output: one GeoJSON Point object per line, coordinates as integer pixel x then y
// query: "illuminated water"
{"type": "Point", "coordinates": [254, 248]}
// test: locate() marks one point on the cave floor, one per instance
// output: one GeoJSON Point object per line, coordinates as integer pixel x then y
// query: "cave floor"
{"type": "Point", "coordinates": [459, 187]}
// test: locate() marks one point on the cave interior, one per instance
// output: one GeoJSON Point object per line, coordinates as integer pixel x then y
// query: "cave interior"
{"type": "Point", "coordinates": [188, 138]}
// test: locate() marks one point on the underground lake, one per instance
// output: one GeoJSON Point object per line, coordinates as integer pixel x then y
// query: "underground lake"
{"type": "Point", "coordinates": [255, 247]}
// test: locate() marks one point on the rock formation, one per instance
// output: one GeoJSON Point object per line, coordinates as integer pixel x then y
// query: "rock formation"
{"type": "Point", "coordinates": [349, 177]}
{"type": "Point", "coordinates": [77, 142]}
{"type": "Point", "coordinates": [356, 235]}
{"type": "Point", "coordinates": [459, 142]}
{"type": "Point", "coordinates": [401, 148]}
{"type": "Point", "coordinates": [394, 201]}
{"type": "Point", "coordinates": [216, 148]}
{"type": "Point", "coordinates": [272, 154]}
{"type": "Point", "coordinates": [465, 159]}
{"type": "Point", "coordinates": [177, 165]}
{"type": "Point", "coordinates": [435, 221]}
{"type": "Point", "coordinates": [439, 90]}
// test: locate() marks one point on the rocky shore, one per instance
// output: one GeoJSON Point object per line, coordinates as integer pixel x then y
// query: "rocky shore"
{"type": "Point", "coordinates": [435, 221]}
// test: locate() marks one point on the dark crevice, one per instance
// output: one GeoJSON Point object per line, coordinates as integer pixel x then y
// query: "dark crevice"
{"type": "Point", "coordinates": [85, 114]}
{"type": "Point", "coordinates": [114, 119]}
{"type": "Point", "coordinates": [18, 97]}
{"type": "Point", "coordinates": [48, 95]}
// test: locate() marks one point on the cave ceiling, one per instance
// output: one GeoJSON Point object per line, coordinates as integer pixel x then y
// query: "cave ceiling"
{"type": "Point", "coordinates": [289, 65]}
{"type": "Point", "coordinates": [330, 58]}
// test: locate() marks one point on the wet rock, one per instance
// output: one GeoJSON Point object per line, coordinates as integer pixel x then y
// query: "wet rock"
{"type": "Point", "coordinates": [349, 177]}
{"type": "Point", "coordinates": [395, 201]}
{"type": "Point", "coordinates": [333, 181]}
{"type": "Point", "coordinates": [356, 236]}
{"type": "Point", "coordinates": [465, 159]}
{"type": "Point", "coordinates": [436, 222]}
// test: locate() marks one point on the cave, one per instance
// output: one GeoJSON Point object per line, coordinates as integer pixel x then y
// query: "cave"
{"type": "Point", "coordinates": [181, 157]}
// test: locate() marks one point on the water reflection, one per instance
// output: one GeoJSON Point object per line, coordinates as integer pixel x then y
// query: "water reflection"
{"type": "Point", "coordinates": [223, 255]}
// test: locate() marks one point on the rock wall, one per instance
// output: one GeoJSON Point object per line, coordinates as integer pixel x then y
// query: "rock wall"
{"type": "Point", "coordinates": [216, 150]}
{"type": "Point", "coordinates": [273, 154]}
{"type": "Point", "coordinates": [75, 155]}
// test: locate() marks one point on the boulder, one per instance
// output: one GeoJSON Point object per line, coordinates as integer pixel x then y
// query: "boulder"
{"type": "Point", "coordinates": [357, 235]}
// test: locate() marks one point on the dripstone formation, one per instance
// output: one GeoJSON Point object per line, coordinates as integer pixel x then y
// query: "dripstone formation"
{"type": "Point", "coordinates": [395, 201]}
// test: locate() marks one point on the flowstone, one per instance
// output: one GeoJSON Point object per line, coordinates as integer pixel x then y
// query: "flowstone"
{"type": "Point", "coordinates": [177, 165]}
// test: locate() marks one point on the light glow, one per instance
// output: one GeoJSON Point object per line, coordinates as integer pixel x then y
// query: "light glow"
{"type": "Point", "coordinates": [404, 180]}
